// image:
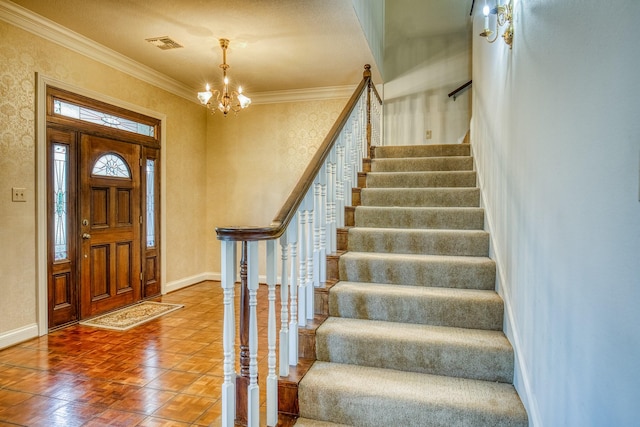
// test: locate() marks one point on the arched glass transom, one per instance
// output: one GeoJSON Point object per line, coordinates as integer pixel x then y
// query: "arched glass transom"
{"type": "Point", "coordinates": [111, 165]}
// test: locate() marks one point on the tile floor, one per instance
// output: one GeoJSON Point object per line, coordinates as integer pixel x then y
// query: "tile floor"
{"type": "Point", "coordinates": [166, 372]}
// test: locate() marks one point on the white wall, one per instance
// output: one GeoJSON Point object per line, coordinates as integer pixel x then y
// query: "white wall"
{"type": "Point", "coordinates": [371, 16]}
{"type": "Point", "coordinates": [556, 135]}
{"type": "Point", "coordinates": [427, 55]}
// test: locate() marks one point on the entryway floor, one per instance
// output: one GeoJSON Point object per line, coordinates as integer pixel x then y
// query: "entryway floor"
{"type": "Point", "coordinates": [167, 372]}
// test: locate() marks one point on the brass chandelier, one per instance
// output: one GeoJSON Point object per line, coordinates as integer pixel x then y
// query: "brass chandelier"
{"type": "Point", "coordinates": [225, 100]}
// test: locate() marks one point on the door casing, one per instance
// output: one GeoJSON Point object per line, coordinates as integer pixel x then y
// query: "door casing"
{"type": "Point", "coordinates": [43, 83]}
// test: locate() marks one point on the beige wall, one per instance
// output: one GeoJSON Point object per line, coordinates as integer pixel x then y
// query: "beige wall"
{"type": "Point", "coordinates": [219, 171]}
{"type": "Point", "coordinates": [22, 55]}
{"type": "Point", "coordinates": [255, 158]}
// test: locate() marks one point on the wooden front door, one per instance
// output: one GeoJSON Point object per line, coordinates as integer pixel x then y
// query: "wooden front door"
{"type": "Point", "coordinates": [110, 224]}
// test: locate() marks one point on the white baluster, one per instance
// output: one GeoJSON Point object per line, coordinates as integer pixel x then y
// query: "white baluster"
{"type": "Point", "coordinates": [253, 390]}
{"type": "Point", "coordinates": [302, 264]}
{"type": "Point", "coordinates": [340, 184]}
{"type": "Point", "coordinates": [292, 232]}
{"type": "Point", "coordinates": [331, 195]}
{"type": "Point", "coordinates": [284, 308]}
{"type": "Point", "coordinates": [322, 262]}
{"type": "Point", "coordinates": [228, 280]}
{"type": "Point", "coordinates": [348, 161]}
{"type": "Point", "coordinates": [317, 224]}
{"type": "Point", "coordinates": [272, 379]}
{"type": "Point", "coordinates": [309, 288]}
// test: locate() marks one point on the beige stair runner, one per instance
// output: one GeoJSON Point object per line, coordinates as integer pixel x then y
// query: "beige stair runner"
{"type": "Point", "coordinates": [414, 336]}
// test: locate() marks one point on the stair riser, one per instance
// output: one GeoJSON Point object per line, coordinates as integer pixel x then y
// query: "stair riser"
{"type": "Point", "coordinates": [423, 164]}
{"type": "Point", "coordinates": [423, 218]}
{"type": "Point", "coordinates": [415, 273]}
{"type": "Point", "coordinates": [458, 311]}
{"type": "Point", "coordinates": [423, 356]}
{"type": "Point", "coordinates": [421, 180]}
{"type": "Point", "coordinates": [429, 150]}
{"type": "Point", "coordinates": [419, 242]}
{"type": "Point", "coordinates": [432, 197]}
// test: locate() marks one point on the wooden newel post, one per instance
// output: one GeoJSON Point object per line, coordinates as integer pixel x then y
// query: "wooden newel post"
{"type": "Point", "coordinates": [242, 381]}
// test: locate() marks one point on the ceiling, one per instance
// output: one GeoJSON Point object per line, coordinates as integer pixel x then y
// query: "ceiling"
{"type": "Point", "coordinates": [275, 45]}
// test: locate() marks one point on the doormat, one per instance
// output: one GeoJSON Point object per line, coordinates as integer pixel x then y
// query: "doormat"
{"type": "Point", "coordinates": [129, 317]}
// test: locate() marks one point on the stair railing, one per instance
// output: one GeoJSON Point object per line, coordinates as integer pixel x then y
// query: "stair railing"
{"type": "Point", "coordinates": [305, 227]}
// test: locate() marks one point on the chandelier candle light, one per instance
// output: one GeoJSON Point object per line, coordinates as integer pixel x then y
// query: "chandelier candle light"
{"type": "Point", "coordinates": [225, 100]}
{"type": "Point", "coordinates": [504, 17]}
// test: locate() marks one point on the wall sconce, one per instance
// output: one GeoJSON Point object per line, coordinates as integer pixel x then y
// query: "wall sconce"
{"type": "Point", "coordinates": [504, 17]}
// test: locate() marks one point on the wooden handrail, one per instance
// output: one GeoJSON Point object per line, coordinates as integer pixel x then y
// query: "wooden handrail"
{"type": "Point", "coordinates": [460, 89]}
{"type": "Point", "coordinates": [288, 210]}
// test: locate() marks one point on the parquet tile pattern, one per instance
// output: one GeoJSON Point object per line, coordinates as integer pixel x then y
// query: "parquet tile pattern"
{"type": "Point", "coordinates": [166, 372]}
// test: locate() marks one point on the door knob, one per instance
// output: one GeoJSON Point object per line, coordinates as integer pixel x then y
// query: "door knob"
{"type": "Point", "coordinates": [86, 236]}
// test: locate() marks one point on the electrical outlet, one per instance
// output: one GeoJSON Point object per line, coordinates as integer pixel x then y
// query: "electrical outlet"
{"type": "Point", "coordinates": [428, 134]}
{"type": "Point", "coordinates": [18, 194]}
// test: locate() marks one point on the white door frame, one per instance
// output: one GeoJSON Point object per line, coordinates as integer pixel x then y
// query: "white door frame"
{"type": "Point", "coordinates": [41, 186]}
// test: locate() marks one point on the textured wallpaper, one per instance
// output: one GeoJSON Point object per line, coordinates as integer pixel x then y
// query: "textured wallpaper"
{"type": "Point", "coordinates": [22, 55]}
{"type": "Point", "coordinates": [254, 160]}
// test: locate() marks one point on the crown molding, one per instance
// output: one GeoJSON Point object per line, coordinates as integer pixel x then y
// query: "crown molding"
{"type": "Point", "coordinates": [297, 95]}
{"type": "Point", "coordinates": [49, 30]}
{"type": "Point", "coordinates": [29, 21]}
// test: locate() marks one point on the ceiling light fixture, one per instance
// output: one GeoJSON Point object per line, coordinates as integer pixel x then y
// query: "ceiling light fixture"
{"type": "Point", "coordinates": [225, 100]}
{"type": "Point", "coordinates": [504, 17]}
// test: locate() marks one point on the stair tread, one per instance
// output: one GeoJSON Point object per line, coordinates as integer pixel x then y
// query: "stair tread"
{"type": "Point", "coordinates": [367, 396]}
{"type": "Point", "coordinates": [306, 422]}
{"type": "Point", "coordinates": [439, 350]}
{"type": "Point", "coordinates": [423, 217]}
{"type": "Point", "coordinates": [421, 196]}
{"type": "Point", "coordinates": [425, 150]}
{"type": "Point", "coordinates": [421, 231]}
{"type": "Point", "coordinates": [434, 163]}
{"type": "Point", "coordinates": [478, 295]}
{"type": "Point", "coordinates": [418, 241]}
{"type": "Point", "coordinates": [449, 259]}
{"type": "Point", "coordinates": [374, 329]}
{"type": "Point", "coordinates": [465, 308]}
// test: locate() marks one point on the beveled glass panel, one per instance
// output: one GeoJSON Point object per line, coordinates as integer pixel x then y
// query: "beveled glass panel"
{"type": "Point", "coordinates": [60, 201]}
{"type": "Point", "coordinates": [151, 213]}
{"type": "Point", "coordinates": [111, 165]}
{"type": "Point", "coordinates": [68, 109]}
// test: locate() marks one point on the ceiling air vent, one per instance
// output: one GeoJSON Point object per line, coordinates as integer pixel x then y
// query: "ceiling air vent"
{"type": "Point", "coordinates": [164, 43]}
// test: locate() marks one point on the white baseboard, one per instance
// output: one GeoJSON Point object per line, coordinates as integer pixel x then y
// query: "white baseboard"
{"type": "Point", "coordinates": [510, 328]}
{"type": "Point", "coordinates": [188, 281]}
{"type": "Point", "coordinates": [16, 336]}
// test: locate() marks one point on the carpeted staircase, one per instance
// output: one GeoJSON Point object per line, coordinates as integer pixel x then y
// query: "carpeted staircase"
{"type": "Point", "coordinates": [414, 336]}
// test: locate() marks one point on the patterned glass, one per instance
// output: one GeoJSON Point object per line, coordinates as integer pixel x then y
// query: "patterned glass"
{"type": "Point", "coordinates": [90, 115]}
{"type": "Point", "coordinates": [151, 213]}
{"type": "Point", "coordinates": [60, 200]}
{"type": "Point", "coordinates": [111, 165]}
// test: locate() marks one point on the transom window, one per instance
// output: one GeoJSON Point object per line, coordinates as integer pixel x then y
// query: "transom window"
{"type": "Point", "coordinates": [90, 115]}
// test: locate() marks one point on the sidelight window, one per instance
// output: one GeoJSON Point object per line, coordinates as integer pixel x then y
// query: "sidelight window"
{"type": "Point", "coordinates": [60, 200]}
{"type": "Point", "coordinates": [151, 212]}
